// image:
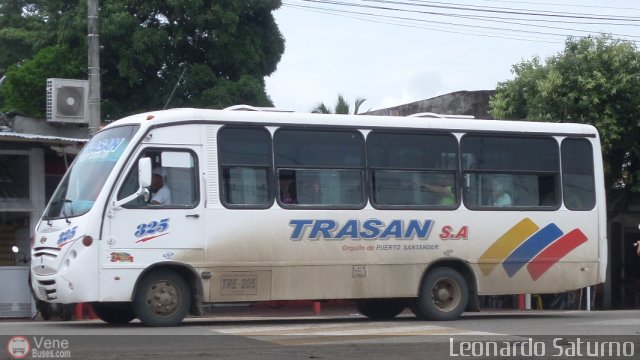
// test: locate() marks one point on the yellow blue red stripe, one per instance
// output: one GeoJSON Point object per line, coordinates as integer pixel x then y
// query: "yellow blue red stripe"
{"type": "Point", "coordinates": [526, 244]}
{"type": "Point", "coordinates": [510, 240]}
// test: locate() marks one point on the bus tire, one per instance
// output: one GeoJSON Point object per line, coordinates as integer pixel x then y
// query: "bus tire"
{"type": "Point", "coordinates": [444, 295]}
{"type": "Point", "coordinates": [66, 312]}
{"type": "Point", "coordinates": [380, 309]}
{"type": "Point", "coordinates": [163, 298]}
{"type": "Point", "coordinates": [45, 309]}
{"type": "Point", "coordinates": [114, 313]}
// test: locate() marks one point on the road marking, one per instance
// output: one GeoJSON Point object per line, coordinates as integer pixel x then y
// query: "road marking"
{"type": "Point", "coordinates": [361, 332]}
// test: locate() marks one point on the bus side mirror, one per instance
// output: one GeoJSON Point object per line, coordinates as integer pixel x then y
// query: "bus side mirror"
{"type": "Point", "coordinates": [144, 172]}
{"type": "Point", "coordinates": [144, 181]}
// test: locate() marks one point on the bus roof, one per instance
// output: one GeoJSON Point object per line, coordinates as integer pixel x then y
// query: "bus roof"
{"type": "Point", "coordinates": [279, 118]}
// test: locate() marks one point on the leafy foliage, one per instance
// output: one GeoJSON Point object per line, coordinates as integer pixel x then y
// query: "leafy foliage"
{"type": "Point", "coordinates": [21, 80]}
{"type": "Point", "coordinates": [595, 80]}
{"type": "Point", "coordinates": [217, 52]}
{"type": "Point", "coordinates": [341, 107]}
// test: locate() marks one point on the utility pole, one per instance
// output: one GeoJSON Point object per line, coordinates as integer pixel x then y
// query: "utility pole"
{"type": "Point", "coordinates": [93, 55]}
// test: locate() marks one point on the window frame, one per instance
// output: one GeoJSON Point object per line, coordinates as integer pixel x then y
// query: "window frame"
{"type": "Point", "coordinates": [223, 191]}
{"type": "Point", "coordinates": [419, 170]}
{"type": "Point", "coordinates": [593, 175]}
{"type": "Point", "coordinates": [556, 175]}
{"type": "Point", "coordinates": [302, 167]}
{"type": "Point", "coordinates": [134, 165]}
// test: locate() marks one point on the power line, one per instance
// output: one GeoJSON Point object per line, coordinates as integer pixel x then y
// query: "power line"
{"type": "Point", "coordinates": [354, 15]}
{"type": "Point", "coordinates": [509, 12]}
{"type": "Point", "coordinates": [560, 5]}
{"type": "Point", "coordinates": [514, 11]}
{"type": "Point", "coordinates": [455, 15]}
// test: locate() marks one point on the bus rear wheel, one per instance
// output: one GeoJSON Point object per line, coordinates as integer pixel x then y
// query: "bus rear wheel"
{"type": "Point", "coordinates": [381, 309]}
{"type": "Point", "coordinates": [114, 313]}
{"type": "Point", "coordinates": [444, 295]}
{"type": "Point", "coordinates": [162, 299]}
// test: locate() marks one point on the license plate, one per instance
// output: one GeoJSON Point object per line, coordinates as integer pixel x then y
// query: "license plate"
{"type": "Point", "coordinates": [245, 284]}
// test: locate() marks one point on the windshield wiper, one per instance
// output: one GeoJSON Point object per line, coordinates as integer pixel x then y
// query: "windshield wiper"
{"type": "Point", "coordinates": [66, 218]}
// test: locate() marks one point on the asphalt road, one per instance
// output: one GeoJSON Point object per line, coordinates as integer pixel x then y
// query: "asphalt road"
{"type": "Point", "coordinates": [337, 335]}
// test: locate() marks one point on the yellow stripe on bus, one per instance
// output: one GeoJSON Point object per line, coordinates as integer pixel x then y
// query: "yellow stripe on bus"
{"type": "Point", "coordinates": [500, 249]}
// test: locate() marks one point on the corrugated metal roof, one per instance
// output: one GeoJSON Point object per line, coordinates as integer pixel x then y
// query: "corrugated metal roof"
{"type": "Point", "coordinates": [42, 139]}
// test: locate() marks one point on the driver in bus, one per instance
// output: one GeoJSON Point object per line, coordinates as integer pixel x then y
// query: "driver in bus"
{"type": "Point", "coordinates": [161, 195]}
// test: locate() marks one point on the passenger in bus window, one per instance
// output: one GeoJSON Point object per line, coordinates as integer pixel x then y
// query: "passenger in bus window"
{"type": "Point", "coordinates": [502, 197]}
{"type": "Point", "coordinates": [287, 191]}
{"type": "Point", "coordinates": [441, 192]}
{"type": "Point", "coordinates": [444, 194]}
{"type": "Point", "coordinates": [310, 192]}
{"type": "Point", "coordinates": [160, 193]}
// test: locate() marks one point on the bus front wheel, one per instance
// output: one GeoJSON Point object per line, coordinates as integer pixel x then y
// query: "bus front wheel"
{"type": "Point", "coordinates": [114, 313]}
{"type": "Point", "coordinates": [444, 295]}
{"type": "Point", "coordinates": [162, 299]}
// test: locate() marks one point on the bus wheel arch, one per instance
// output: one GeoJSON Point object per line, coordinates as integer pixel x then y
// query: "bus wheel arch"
{"type": "Point", "coordinates": [179, 277]}
{"type": "Point", "coordinates": [447, 289]}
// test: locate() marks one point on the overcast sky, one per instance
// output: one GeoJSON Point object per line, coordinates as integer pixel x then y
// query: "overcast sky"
{"type": "Point", "coordinates": [374, 50]}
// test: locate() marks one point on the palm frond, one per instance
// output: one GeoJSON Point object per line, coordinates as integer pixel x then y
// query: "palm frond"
{"type": "Point", "coordinates": [357, 105]}
{"type": "Point", "coordinates": [342, 107]}
{"type": "Point", "coordinates": [321, 108]}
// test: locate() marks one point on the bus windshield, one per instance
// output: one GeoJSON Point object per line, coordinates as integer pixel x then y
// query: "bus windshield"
{"type": "Point", "coordinates": [81, 185]}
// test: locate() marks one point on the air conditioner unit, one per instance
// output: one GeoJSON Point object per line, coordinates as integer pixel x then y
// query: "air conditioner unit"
{"type": "Point", "coordinates": [67, 101]}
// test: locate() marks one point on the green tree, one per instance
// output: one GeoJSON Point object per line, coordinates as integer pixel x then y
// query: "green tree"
{"type": "Point", "coordinates": [595, 80]}
{"type": "Point", "coordinates": [342, 107]}
{"type": "Point", "coordinates": [21, 80]}
{"type": "Point", "coordinates": [217, 52]}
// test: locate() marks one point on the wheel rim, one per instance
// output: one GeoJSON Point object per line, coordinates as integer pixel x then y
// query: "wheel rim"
{"type": "Point", "coordinates": [446, 294]}
{"type": "Point", "coordinates": [163, 298]}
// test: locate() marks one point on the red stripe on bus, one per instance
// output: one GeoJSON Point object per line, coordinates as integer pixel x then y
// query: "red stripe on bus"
{"type": "Point", "coordinates": [554, 252]}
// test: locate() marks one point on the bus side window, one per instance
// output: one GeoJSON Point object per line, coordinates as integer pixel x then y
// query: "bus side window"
{"type": "Point", "coordinates": [244, 155]}
{"type": "Point", "coordinates": [510, 171]}
{"type": "Point", "coordinates": [578, 184]}
{"type": "Point", "coordinates": [325, 166]}
{"type": "Point", "coordinates": [413, 170]}
{"type": "Point", "coordinates": [180, 177]}
{"type": "Point", "coordinates": [177, 171]}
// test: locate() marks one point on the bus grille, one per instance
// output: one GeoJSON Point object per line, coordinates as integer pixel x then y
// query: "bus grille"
{"type": "Point", "coordinates": [47, 288]}
{"type": "Point", "coordinates": [44, 260]}
{"type": "Point", "coordinates": [49, 252]}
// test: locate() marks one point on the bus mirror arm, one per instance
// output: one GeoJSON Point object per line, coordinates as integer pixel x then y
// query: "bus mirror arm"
{"type": "Point", "coordinates": [141, 192]}
{"type": "Point", "coordinates": [144, 181]}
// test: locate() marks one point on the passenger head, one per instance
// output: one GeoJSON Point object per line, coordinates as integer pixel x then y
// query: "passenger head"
{"type": "Point", "coordinates": [156, 182]}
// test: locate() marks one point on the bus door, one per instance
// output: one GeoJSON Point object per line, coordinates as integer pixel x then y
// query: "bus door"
{"type": "Point", "coordinates": [169, 225]}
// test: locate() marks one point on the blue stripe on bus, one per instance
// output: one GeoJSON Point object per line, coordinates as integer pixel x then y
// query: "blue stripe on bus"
{"type": "Point", "coordinates": [530, 248]}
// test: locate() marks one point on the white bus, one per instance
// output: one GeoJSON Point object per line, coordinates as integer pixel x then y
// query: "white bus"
{"type": "Point", "coordinates": [392, 212]}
